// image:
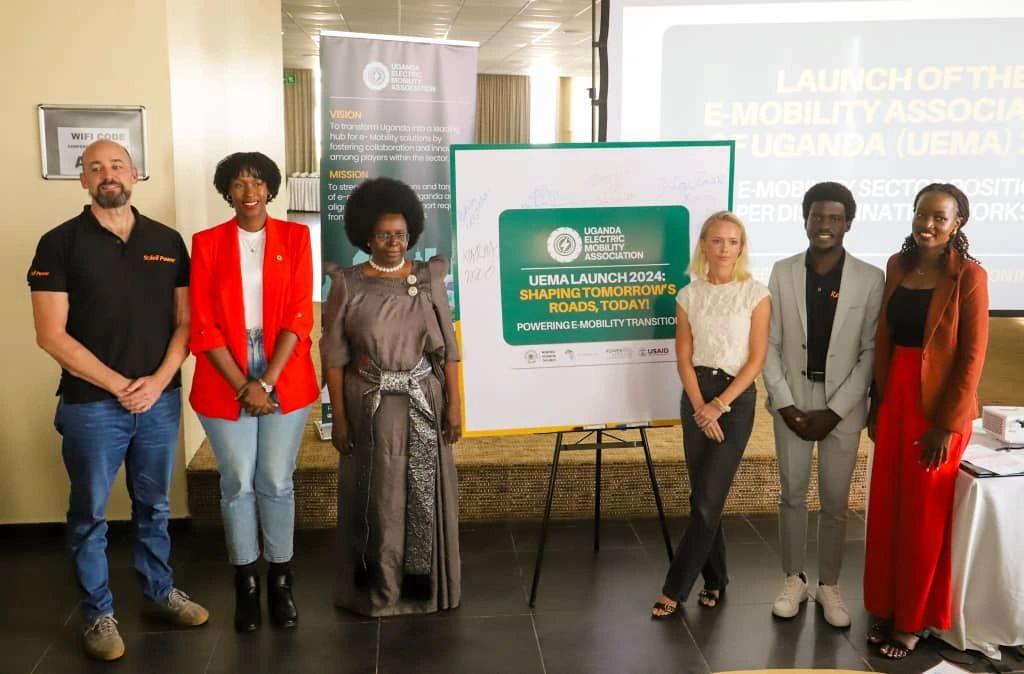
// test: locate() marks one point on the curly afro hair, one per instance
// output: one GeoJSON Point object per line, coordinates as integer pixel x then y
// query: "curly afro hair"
{"type": "Point", "coordinates": [374, 198]}
{"type": "Point", "coordinates": [831, 192]}
{"type": "Point", "coordinates": [256, 164]}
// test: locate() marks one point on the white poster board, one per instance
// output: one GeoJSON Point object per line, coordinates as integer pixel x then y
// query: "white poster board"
{"type": "Point", "coordinates": [72, 141]}
{"type": "Point", "coordinates": [589, 233]}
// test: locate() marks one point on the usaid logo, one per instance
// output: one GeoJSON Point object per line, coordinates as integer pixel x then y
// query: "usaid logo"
{"type": "Point", "coordinates": [652, 351]}
{"type": "Point", "coordinates": [565, 244]}
{"type": "Point", "coordinates": [376, 75]}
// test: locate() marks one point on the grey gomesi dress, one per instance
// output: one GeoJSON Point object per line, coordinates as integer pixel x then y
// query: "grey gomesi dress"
{"type": "Point", "coordinates": [398, 521]}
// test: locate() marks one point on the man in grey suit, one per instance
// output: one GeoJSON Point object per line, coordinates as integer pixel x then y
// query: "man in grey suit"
{"type": "Point", "coordinates": [819, 368]}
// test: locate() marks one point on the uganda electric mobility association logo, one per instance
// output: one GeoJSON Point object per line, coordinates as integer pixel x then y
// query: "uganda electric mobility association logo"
{"type": "Point", "coordinates": [376, 75]}
{"type": "Point", "coordinates": [565, 244]}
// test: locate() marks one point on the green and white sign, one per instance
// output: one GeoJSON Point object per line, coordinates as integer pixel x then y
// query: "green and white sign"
{"type": "Point", "coordinates": [591, 274]}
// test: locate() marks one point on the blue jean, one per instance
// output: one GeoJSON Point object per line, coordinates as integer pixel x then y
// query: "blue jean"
{"type": "Point", "coordinates": [98, 438]}
{"type": "Point", "coordinates": [256, 459]}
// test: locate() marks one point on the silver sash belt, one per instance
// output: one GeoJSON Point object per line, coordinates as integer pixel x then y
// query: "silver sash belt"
{"type": "Point", "coordinates": [422, 448]}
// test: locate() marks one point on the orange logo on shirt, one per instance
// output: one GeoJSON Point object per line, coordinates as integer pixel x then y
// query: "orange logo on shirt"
{"type": "Point", "coordinates": [36, 272]}
{"type": "Point", "coordinates": [834, 294]}
{"type": "Point", "coordinates": [159, 258]}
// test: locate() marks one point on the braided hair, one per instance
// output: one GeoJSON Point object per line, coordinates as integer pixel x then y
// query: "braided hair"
{"type": "Point", "coordinates": [958, 241]}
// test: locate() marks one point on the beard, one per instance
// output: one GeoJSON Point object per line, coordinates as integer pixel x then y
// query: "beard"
{"type": "Point", "coordinates": [106, 200]}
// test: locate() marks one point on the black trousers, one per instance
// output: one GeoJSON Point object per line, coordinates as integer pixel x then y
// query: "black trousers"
{"type": "Point", "coordinates": [712, 467]}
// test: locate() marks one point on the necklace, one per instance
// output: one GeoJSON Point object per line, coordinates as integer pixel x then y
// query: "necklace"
{"type": "Point", "coordinates": [385, 270]}
{"type": "Point", "coordinates": [251, 243]}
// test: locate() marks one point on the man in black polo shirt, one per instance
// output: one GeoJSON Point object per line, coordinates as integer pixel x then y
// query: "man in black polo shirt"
{"type": "Point", "coordinates": [110, 299]}
{"type": "Point", "coordinates": [825, 306]}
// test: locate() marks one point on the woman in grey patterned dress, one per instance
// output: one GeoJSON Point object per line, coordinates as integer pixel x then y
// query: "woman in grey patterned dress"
{"type": "Point", "coordinates": [390, 359]}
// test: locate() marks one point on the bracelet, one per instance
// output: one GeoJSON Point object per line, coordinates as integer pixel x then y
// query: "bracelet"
{"type": "Point", "coordinates": [722, 407]}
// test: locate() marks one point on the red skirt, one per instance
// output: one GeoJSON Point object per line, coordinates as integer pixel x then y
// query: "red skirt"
{"type": "Point", "coordinates": [907, 559]}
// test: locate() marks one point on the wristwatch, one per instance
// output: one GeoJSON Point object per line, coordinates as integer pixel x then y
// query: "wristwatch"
{"type": "Point", "coordinates": [266, 387]}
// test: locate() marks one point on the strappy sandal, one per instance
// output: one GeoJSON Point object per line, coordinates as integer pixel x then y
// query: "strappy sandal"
{"type": "Point", "coordinates": [709, 598]}
{"type": "Point", "coordinates": [667, 610]}
{"type": "Point", "coordinates": [897, 650]}
{"type": "Point", "coordinates": [878, 633]}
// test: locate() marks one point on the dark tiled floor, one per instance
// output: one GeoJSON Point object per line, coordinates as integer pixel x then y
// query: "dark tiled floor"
{"type": "Point", "coordinates": [591, 613]}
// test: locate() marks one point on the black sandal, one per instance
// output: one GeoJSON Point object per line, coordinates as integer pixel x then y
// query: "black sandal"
{"type": "Point", "coordinates": [878, 633]}
{"type": "Point", "coordinates": [897, 650]}
{"type": "Point", "coordinates": [894, 650]}
{"type": "Point", "coordinates": [709, 598]}
{"type": "Point", "coordinates": [668, 610]}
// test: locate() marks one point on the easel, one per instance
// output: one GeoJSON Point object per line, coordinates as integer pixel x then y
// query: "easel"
{"type": "Point", "coordinates": [598, 445]}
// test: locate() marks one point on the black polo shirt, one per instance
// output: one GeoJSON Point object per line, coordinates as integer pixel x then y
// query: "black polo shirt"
{"type": "Point", "coordinates": [822, 298]}
{"type": "Point", "coordinates": [120, 294]}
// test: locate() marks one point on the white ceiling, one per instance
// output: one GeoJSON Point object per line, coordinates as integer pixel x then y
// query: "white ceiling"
{"type": "Point", "coordinates": [515, 36]}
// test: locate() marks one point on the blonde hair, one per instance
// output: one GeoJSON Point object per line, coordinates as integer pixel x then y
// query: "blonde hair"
{"type": "Point", "coordinates": [699, 263]}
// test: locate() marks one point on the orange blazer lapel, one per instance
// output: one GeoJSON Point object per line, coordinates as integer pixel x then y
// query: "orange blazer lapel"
{"type": "Point", "coordinates": [944, 290]}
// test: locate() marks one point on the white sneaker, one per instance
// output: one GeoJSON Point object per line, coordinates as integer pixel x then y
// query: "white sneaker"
{"type": "Point", "coordinates": [794, 592]}
{"type": "Point", "coordinates": [833, 605]}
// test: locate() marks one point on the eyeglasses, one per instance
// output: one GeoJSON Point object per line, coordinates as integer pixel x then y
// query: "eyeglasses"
{"type": "Point", "coordinates": [382, 237]}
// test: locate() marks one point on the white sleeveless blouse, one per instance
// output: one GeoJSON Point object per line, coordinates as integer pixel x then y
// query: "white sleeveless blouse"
{"type": "Point", "coordinates": [719, 318]}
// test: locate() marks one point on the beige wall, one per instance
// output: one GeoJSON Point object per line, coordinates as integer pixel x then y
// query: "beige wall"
{"type": "Point", "coordinates": [227, 96]}
{"type": "Point", "coordinates": [64, 52]}
{"type": "Point", "coordinates": [226, 93]}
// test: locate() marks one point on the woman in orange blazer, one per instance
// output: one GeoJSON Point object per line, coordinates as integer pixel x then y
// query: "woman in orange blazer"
{"type": "Point", "coordinates": [252, 313]}
{"type": "Point", "coordinates": [929, 353]}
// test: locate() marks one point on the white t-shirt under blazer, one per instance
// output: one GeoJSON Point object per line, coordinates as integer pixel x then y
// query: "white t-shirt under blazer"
{"type": "Point", "coordinates": [719, 316]}
{"type": "Point", "coordinates": [251, 246]}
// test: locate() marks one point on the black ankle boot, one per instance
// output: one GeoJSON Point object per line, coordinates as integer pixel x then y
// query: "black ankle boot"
{"type": "Point", "coordinates": [247, 601]}
{"type": "Point", "coordinates": [279, 598]}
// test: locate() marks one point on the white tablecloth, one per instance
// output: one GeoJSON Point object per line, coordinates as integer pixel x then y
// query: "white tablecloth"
{"type": "Point", "coordinates": [987, 560]}
{"type": "Point", "coordinates": [304, 194]}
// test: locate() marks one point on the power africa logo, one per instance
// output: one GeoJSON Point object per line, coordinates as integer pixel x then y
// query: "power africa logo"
{"type": "Point", "coordinates": [376, 75]}
{"type": "Point", "coordinates": [565, 244]}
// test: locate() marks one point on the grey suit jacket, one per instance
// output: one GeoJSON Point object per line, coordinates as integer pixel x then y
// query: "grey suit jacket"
{"type": "Point", "coordinates": [851, 349]}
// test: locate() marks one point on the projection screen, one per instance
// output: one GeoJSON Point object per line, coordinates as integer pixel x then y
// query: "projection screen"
{"type": "Point", "coordinates": [883, 96]}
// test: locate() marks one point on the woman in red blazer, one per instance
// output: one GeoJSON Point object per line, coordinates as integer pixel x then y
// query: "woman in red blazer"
{"type": "Point", "coordinates": [929, 353]}
{"type": "Point", "coordinates": [252, 312]}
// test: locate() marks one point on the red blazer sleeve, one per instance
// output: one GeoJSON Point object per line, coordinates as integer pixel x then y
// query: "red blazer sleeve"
{"type": "Point", "coordinates": [205, 333]}
{"type": "Point", "coordinates": [298, 316]}
{"type": "Point", "coordinates": [959, 402]}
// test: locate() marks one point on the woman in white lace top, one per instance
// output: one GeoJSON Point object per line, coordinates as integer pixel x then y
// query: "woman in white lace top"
{"type": "Point", "coordinates": [721, 341]}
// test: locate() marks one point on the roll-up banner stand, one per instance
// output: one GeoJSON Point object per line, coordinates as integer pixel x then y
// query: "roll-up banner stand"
{"type": "Point", "coordinates": [392, 106]}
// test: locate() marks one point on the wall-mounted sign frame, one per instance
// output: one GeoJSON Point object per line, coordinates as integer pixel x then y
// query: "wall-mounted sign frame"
{"type": "Point", "coordinates": [66, 130]}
